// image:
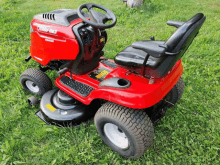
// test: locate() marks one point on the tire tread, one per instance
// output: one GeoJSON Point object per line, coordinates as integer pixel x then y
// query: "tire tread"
{"type": "Point", "coordinates": [137, 122]}
{"type": "Point", "coordinates": [39, 77]}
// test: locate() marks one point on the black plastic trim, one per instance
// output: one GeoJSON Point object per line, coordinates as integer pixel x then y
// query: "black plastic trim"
{"type": "Point", "coordinates": [115, 82]}
{"type": "Point", "coordinates": [76, 62]}
{"type": "Point", "coordinates": [28, 58]}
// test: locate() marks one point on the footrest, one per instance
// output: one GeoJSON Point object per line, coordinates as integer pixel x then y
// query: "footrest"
{"type": "Point", "coordinates": [109, 63]}
{"type": "Point", "coordinates": [78, 87]}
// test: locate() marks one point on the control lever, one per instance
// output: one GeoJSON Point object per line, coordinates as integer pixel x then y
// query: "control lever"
{"type": "Point", "coordinates": [62, 71]}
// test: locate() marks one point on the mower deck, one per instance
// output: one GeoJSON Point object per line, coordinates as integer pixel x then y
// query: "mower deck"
{"type": "Point", "coordinates": [58, 108]}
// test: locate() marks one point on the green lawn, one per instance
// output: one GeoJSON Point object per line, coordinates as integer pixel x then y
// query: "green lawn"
{"type": "Point", "coordinates": [188, 134]}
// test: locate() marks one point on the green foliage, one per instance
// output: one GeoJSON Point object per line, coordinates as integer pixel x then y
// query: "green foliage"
{"type": "Point", "coordinates": [188, 134]}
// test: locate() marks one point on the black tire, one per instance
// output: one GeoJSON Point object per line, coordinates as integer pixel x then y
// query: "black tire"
{"type": "Point", "coordinates": [135, 124]}
{"type": "Point", "coordinates": [38, 78]}
{"type": "Point", "coordinates": [176, 92]}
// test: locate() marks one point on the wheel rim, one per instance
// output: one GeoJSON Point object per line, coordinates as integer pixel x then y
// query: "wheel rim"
{"type": "Point", "coordinates": [32, 86]}
{"type": "Point", "coordinates": [116, 135]}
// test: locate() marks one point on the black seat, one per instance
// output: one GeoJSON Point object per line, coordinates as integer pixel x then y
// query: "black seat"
{"type": "Point", "coordinates": [159, 55]}
{"type": "Point", "coordinates": [132, 57]}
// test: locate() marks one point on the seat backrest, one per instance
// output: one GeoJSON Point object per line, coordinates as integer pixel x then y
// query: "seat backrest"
{"type": "Point", "coordinates": [179, 42]}
{"type": "Point", "coordinates": [183, 36]}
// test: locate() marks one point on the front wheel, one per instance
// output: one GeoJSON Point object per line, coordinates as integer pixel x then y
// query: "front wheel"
{"type": "Point", "coordinates": [35, 81]}
{"type": "Point", "coordinates": [127, 131]}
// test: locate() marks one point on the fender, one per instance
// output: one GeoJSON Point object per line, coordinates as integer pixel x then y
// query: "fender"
{"type": "Point", "coordinates": [141, 94]}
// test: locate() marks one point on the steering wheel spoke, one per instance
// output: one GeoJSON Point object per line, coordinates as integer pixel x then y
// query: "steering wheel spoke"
{"type": "Point", "coordinates": [96, 16]}
{"type": "Point", "coordinates": [108, 16]}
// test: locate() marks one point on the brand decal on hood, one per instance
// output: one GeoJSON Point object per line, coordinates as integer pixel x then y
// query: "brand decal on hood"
{"type": "Point", "coordinates": [45, 28]}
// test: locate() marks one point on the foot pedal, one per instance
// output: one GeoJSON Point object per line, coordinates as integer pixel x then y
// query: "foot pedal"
{"type": "Point", "coordinates": [109, 63]}
{"type": "Point", "coordinates": [78, 87]}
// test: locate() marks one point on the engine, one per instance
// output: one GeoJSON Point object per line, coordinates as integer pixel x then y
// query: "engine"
{"type": "Point", "coordinates": [59, 36]}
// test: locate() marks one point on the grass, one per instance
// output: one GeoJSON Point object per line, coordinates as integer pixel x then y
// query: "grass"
{"type": "Point", "coordinates": [188, 134]}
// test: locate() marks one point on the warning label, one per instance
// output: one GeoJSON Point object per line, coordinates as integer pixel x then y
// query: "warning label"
{"type": "Point", "coordinates": [99, 74]}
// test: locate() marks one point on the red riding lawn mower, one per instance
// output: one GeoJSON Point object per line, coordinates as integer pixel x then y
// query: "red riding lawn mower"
{"type": "Point", "coordinates": [125, 96]}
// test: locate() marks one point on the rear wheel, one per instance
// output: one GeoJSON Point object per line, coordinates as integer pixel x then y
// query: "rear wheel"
{"type": "Point", "coordinates": [176, 93]}
{"type": "Point", "coordinates": [35, 81]}
{"type": "Point", "coordinates": [159, 110]}
{"type": "Point", "coordinates": [127, 131]}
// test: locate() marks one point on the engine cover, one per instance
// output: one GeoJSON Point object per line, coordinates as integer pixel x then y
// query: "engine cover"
{"type": "Point", "coordinates": [52, 36]}
{"type": "Point", "coordinates": [60, 17]}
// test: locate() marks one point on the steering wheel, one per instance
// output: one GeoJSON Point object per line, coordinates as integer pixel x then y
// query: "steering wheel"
{"type": "Point", "coordinates": [97, 19]}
